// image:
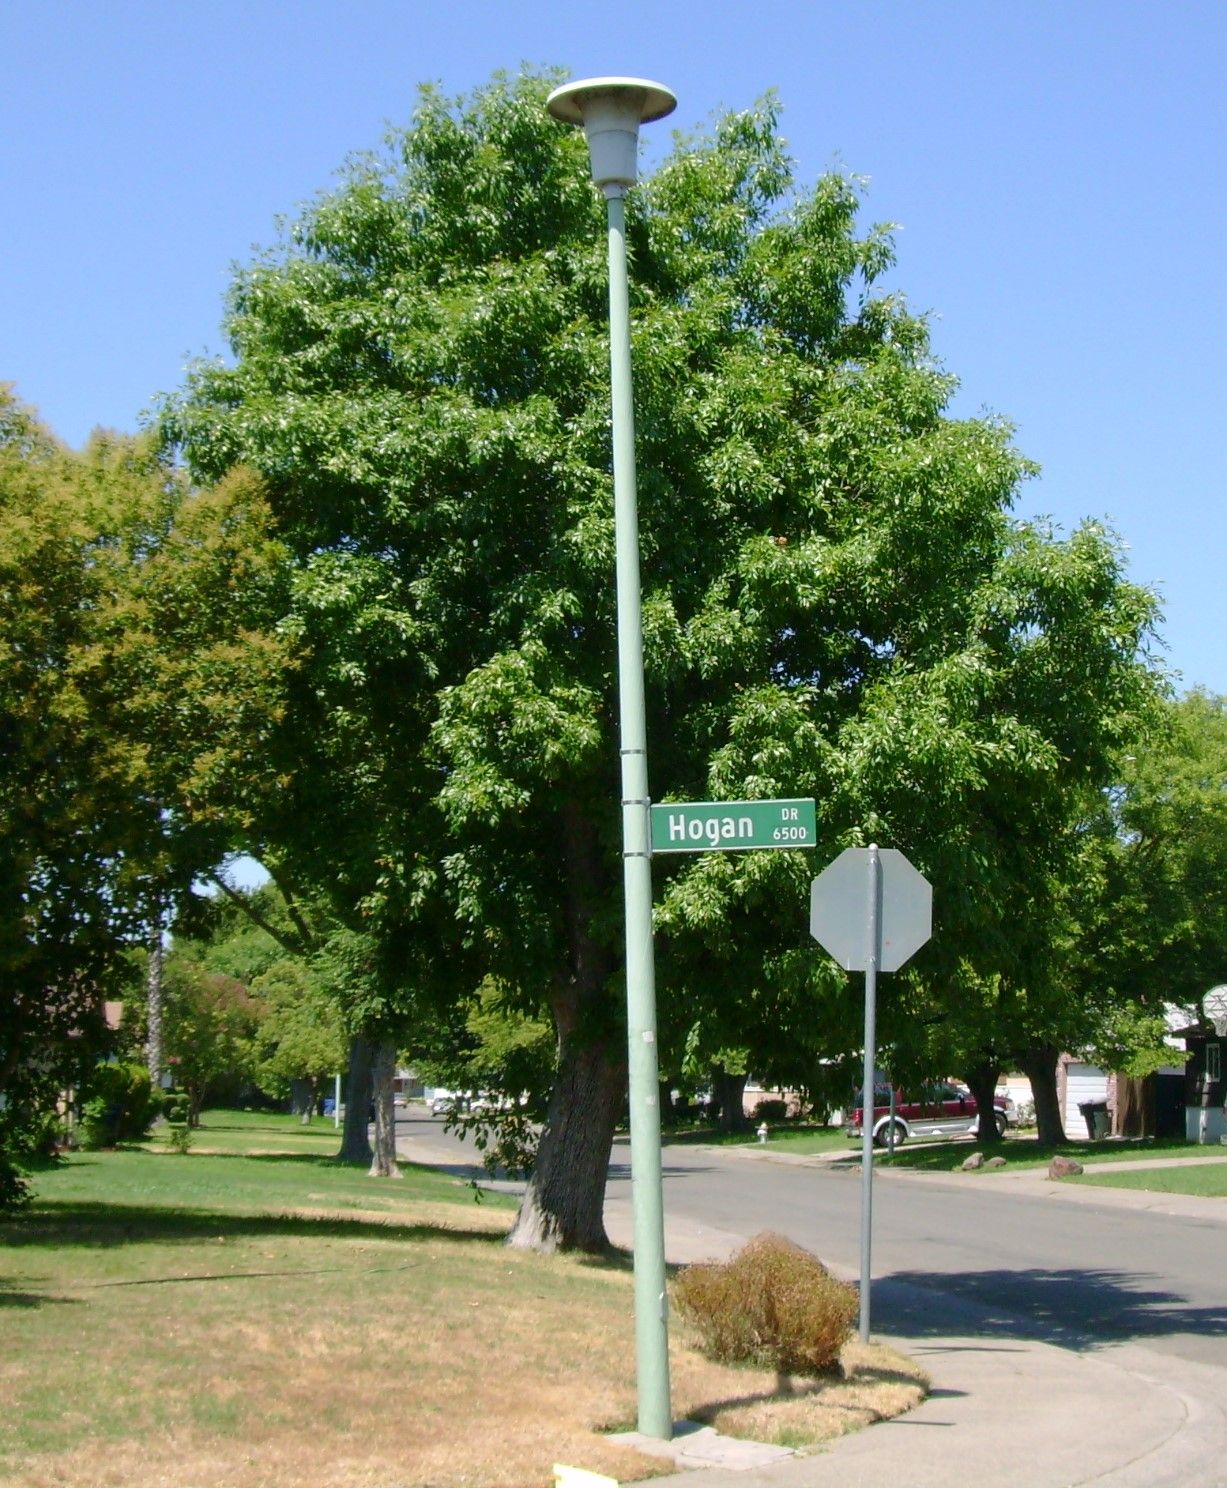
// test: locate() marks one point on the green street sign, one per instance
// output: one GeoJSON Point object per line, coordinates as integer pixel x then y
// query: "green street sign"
{"type": "Point", "coordinates": [733, 826]}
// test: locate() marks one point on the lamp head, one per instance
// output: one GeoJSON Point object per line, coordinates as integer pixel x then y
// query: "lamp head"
{"type": "Point", "coordinates": [611, 109]}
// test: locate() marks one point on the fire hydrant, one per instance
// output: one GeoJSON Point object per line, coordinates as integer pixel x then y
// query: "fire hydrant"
{"type": "Point", "coordinates": [762, 1132]}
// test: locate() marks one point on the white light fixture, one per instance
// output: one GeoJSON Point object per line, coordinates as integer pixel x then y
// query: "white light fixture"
{"type": "Point", "coordinates": [610, 111]}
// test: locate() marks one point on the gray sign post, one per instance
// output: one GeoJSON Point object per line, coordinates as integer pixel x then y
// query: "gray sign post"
{"type": "Point", "coordinates": [871, 910]}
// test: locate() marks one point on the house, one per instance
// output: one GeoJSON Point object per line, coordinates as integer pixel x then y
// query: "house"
{"type": "Point", "coordinates": [1204, 1090]}
{"type": "Point", "coordinates": [1152, 1106]}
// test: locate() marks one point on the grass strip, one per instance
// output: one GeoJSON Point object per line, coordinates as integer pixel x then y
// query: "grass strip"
{"type": "Point", "coordinates": [1021, 1152]}
{"type": "Point", "coordinates": [1202, 1180]}
{"type": "Point", "coordinates": [258, 1320]}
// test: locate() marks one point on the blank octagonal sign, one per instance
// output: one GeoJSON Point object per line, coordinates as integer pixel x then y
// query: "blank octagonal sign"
{"type": "Point", "coordinates": [839, 909]}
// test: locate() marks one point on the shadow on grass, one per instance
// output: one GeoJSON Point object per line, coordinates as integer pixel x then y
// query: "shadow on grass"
{"type": "Point", "coordinates": [308, 1159]}
{"type": "Point", "coordinates": [1074, 1308]}
{"type": "Point", "coordinates": [11, 1297]}
{"type": "Point", "coordinates": [97, 1224]}
{"type": "Point", "coordinates": [315, 1128]}
{"type": "Point", "coordinates": [803, 1386]}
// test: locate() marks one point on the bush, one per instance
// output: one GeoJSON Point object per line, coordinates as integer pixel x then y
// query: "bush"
{"type": "Point", "coordinates": [25, 1137]}
{"type": "Point", "coordinates": [15, 1191]}
{"type": "Point", "coordinates": [773, 1304]}
{"type": "Point", "coordinates": [180, 1136]}
{"type": "Point", "coordinates": [121, 1106]}
{"type": "Point", "coordinates": [771, 1109]}
{"type": "Point", "coordinates": [177, 1110]}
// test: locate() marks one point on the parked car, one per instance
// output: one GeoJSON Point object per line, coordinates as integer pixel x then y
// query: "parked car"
{"type": "Point", "coordinates": [941, 1110]}
{"type": "Point", "coordinates": [444, 1102]}
{"type": "Point", "coordinates": [471, 1102]}
{"type": "Point", "coordinates": [486, 1101]}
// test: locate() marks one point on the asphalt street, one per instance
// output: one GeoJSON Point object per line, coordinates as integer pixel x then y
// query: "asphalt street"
{"type": "Point", "coordinates": [1079, 1275]}
{"type": "Point", "coordinates": [1017, 1260]}
{"type": "Point", "coordinates": [1074, 1336]}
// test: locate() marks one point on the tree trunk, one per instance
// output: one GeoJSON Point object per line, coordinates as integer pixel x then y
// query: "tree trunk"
{"type": "Point", "coordinates": [668, 1111]}
{"type": "Point", "coordinates": [300, 1099]}
{"type": "Point", "coordinates": [729, 1091]}
{"type": "Point", "coordinates": [563, 1206]}
{"type": "Point", "coordinates": [1130, 1117]}
{"type": "Point", "coordinates": [1040, 1063]}
{"type": "Point", "coordinates": [355, 1143]}
{"type": "Point", "coordinates": [383, 1071]}
{"type": "Point", "coordinates": [982, 1080]}
{"type": "Point", "coordinates": [155, 1056]}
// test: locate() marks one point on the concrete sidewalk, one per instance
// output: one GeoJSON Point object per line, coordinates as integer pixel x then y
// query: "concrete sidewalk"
{"type": "Point", "coordinates": [1024, 1415]}
{"type": "Point", "coordinates": [1003, 1412]}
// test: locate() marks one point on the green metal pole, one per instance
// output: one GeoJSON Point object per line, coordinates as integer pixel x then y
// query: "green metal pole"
{"type": "Point", "coordinates": [873, 918]}
{"type": "Point", "coordinates": [651, 1321]}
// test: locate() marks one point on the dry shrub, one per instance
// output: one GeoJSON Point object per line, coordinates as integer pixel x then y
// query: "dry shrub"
{"type": "Point", "coordinates": [773, 1304]}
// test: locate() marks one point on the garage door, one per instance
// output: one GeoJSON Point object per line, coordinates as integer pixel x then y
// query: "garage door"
{"type": "Point", "coordinates": [1083, 1082]}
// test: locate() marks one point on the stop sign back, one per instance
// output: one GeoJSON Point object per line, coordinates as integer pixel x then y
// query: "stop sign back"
{"type": "Point", "coordinates": [839, 918]}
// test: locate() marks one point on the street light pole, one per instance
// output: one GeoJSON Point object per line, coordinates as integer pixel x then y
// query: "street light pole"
{"type": "Point", "coordinates": [610, 111]}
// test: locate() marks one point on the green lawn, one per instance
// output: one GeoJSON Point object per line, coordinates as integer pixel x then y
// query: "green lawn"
{"type": "Point", "coordinates": [254, 1314]}
{"type": "Point", "coordinates": [1020, 1151]}
{"type": "Point", "coordinates": [1204, 1180]}
{"type": "Point", "coordinates": [244, 1162]}
{"type": "Point", "coordinates": [249, 1131]}
{"type": "Point", "coordinates": [1026, 1152]}
{"type": "Point", "coordinates": [814, 1139]}
{"type": "Point", "coordinates": [799, 1139]}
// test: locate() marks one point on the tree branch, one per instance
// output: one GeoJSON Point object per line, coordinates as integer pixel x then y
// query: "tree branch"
{"type": "Point", "coordinates": [292, 909]}
{"type": "Point", "coordinates": [286, 942]}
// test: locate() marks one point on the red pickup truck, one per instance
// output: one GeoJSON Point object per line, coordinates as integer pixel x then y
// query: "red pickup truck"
{"type": "Point", "coordinates": [942, 1110]}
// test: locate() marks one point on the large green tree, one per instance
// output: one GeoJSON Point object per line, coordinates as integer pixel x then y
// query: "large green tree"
{"type": "Point", "coordinates": [65, 819]}
{"type": "Point", "coordinates": [1151, 914]}
{"type": "Point", "coordinates": [837, 600]}
{"type": "Point", "coordinates": [139, 670]}
{"type": "Point", "coordinates": [211, 1026]}
{"type": "Point", "coordinates": [1169, 880]}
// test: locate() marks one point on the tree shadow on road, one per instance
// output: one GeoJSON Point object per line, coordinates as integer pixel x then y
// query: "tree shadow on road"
{"type": "Point", "coordinates": [622, 1171]}
{"type": "Point", "coordinates": [1073, 1308]}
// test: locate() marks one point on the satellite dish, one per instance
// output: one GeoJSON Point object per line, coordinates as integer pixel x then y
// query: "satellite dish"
{"type": "Point", "coordinates": [1214, 1009]}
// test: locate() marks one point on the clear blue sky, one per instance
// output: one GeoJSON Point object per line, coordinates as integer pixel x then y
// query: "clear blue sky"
{"type": "Point", "coordinates": [1056, 169]}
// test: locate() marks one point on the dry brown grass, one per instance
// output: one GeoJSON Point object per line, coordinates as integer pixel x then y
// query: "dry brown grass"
{"type": "Point", "coordinates": [441, 1361]}
{"type": "Point", "coordinates": [875, 1384]}
{"type": "Point", "coordinates": [398, 1346]}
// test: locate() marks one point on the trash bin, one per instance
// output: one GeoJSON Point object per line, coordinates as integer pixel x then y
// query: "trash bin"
{"type": "Point", "coordinates": [1095, 1114]}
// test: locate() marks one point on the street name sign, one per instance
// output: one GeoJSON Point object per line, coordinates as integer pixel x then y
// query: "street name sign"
{"type": "Point", "coordinates": [838, 920]}
{"type": "Point", "coordinates": [733, 826]}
